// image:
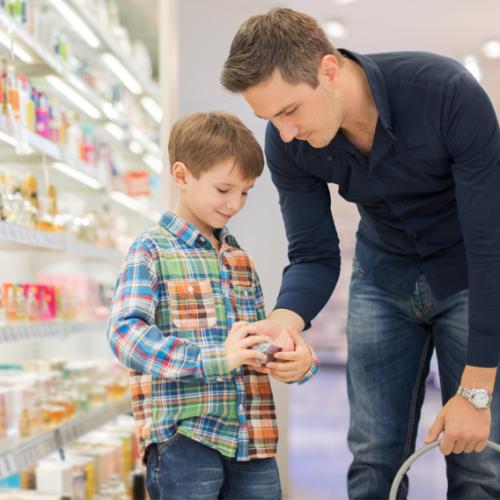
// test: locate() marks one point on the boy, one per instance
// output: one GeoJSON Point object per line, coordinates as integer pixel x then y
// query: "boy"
{"type": "Point", "coordinates": [204, 409]}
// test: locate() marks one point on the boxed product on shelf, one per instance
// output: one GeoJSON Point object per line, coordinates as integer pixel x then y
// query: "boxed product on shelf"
{"type": "Point", "coordinates": [57, 476]}
{"type": "Point", "coordinates": [44, 394]}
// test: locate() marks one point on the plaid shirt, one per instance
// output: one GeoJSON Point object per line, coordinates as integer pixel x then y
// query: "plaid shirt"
{"type": "Point", "coordinates": [175, 301]}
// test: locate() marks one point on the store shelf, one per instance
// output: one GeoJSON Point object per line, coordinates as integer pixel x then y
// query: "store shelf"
{"type": "Point", "coordinates": [38, 144]}
{"type": "Point", "coordinates": [149, 87]}
{"type": "Point", "coordinates": [25, 332]}
{"type": "Point", "coordinates": [18, 455]}
{"type": "Point", "coordinates": [130, 205]}
{"type": "Point", "coordinates": [45, 63]}
{"type": "Point", "coordinates": [13, 236]}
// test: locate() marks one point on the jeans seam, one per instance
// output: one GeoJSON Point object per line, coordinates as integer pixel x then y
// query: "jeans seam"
{"type": "Point", "coordinates": [414, 398]}
{"type": "Point", "coordinates": [419, 312]}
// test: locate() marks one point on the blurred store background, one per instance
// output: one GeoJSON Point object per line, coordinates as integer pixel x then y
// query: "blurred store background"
{"type": "Point", "coordinates": [89, 90]}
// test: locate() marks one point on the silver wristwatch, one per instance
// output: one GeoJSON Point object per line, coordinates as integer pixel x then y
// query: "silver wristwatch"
{"type": "Point", "coordinates": [478, 398]}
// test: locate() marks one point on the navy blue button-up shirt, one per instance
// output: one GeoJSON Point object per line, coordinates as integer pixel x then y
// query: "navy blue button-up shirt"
{"type": "Point", "coordinates": [428, 195]}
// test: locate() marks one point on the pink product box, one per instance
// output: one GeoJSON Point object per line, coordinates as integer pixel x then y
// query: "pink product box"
{"type": "Point", "coordinates": [47, 303]}
{"type": "Point", "coordinates": [80, 290]}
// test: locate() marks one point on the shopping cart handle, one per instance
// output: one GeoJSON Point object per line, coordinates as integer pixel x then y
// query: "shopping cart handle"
{"type": "Point", "coordinates": [412, 458]}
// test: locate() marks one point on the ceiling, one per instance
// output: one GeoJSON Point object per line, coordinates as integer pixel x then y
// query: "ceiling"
{"type": "Point", "coordinates": [450, 27]}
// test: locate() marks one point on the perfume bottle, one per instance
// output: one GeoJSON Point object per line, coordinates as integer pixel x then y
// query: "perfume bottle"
{"type": "Point", "coordinates": [29, 190]}
{"type": "Point", "coordinates": [10, 302]}
{"type": "Point", "coordinates": [31, 303]}
{"type": "Point", "coordinates": [20, 303]}
{"type": "Point", "coordinates": [3, 310]}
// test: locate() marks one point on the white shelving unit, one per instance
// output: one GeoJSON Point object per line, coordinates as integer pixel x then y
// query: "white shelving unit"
{"type": "Point", "coordinates": [13, 236]}
{"type": "Point", "coordinates": [149, 88]}
{"type": "Point", "coordinates": [26, 332]}
{"type": "Point", "coordinates": [32, 250]}
{"type": "Point", "coordinates": [78, 171]}
{"type": "Point", "coordinates": [41, 61]}
{"type": "Point", "coordinates": [16, 455]}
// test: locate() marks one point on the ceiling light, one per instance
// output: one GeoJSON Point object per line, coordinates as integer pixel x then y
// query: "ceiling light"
{"type": "Point", "coordinates": [116, 131]}
{"type": "Point", "coordinates": [335, 29]}
{"type": "Point", "coordinates": [136, 147]}
{"type": "Point", "coordinates": [75, 22]}
{"type": "Point", "coordinates": [18, 51]}
{"type": "Point", "coordinates": [491, 49]}
{"type": "Point", "coordinates": [77, 175]}
{"type": "Point", "coordinates": [122, 73]}
{"type": "Point", "coordinates": [74, 96]}
{"type": "Point", "coordinates": [344, 2]}
{"type": "Point", "coordinates": [153, 162]}
{"type": "Point", "coordinates": [152, 107]}
{"type": "Point", "coordinates": [472, 64]}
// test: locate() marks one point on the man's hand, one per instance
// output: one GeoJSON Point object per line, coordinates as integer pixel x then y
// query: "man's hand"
{"type": "Point", "coordinates": [238, 347]}
{"type": "Point", "coordinates": [466, 429]}
{"type": "Point", "coordinates": [292, 366]}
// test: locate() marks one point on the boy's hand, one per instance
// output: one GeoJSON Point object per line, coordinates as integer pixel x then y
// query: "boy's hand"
{"type": "Point", "coordinates": [238, 347]}
{"type": "Point", "coordinates": [292, 365]}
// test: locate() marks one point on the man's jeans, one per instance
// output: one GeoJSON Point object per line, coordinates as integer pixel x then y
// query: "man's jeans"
{"type": "Point", "coordinates": [390, 342]}
{"type": "Point", "coordinates": [183, 469]}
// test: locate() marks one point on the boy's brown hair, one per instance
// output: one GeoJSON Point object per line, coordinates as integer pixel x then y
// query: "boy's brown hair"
{"type": "Point", "coordinates": [285, 39]}
{"type": "Point", "coordinates": [200, 140]}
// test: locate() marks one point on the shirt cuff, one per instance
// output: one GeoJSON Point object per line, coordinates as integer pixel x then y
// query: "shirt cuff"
{"type": "Point", "coordinates": [312, 370]}
{"type": "Point", "coordinates": [214, 362]}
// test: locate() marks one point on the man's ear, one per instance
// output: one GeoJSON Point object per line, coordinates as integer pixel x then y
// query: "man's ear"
{"type": "Point", "coordinates": [181, 175]}
{"type": "Point", "coordinates": [329, 69]}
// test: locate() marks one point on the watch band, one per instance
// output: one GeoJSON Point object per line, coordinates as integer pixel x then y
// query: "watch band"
{"type": "Point", "coordinates": [469, 392]}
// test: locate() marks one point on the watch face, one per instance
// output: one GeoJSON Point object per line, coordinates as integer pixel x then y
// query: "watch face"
{"type": "Point", "coordinates": [480, 399]}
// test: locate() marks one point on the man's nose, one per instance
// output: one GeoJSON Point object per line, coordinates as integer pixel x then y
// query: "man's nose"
{"type": "Point", "coordinates": [288, 132]}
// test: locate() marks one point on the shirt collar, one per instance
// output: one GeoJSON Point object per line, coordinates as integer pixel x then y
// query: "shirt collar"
{"type": "Point", "coordinates": [190, 235]}
{"type": "Point", "coordinates": [377, 84]}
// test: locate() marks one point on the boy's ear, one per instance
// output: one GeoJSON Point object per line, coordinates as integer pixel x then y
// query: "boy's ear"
{"type": "Point", "coordinates": [181, 174]}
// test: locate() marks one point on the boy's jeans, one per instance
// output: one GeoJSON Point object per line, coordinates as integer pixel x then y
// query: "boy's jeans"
{"type": "Point", "coordinates": [390, 342]}
{"type": "Point", "coordinates": [183, 469]}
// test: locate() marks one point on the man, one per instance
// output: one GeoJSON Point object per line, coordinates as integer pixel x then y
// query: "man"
{"type": "Point", "coordinates": [413, 140]}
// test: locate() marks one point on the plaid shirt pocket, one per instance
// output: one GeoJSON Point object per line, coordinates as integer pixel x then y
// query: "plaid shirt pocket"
{"type": "Point", "coordinates": [192, 304]}
{"type": "Point", "coordinates": [246, 309]}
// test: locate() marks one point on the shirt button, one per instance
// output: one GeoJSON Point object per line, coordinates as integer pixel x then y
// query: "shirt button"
{"type": "Point", "coordinates": [202, 239]}
{"type": "Point", "coordinates": [190, 289]}
{"type": "Point", "coordinates": [241, 409]}
{"type": "Point", "coordinates": [413, 236]}
{"type": "Point", "coordinates": [329, 158]}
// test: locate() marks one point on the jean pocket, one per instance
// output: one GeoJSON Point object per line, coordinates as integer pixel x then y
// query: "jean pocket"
{"type": "Point", "coordinates": [358, 272]}
{"type": "Point", "coordinates": [246, 307]}
{"type": "Point", "coordinates": [165, 445]}
{"type": "Point", "coordinates": [192, 305]}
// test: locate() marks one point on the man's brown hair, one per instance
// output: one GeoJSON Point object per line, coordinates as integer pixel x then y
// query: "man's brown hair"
{"type": "Point", "coordinates": [285, 39]}
{"type": "Point", "coordinates": [200, 140]}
